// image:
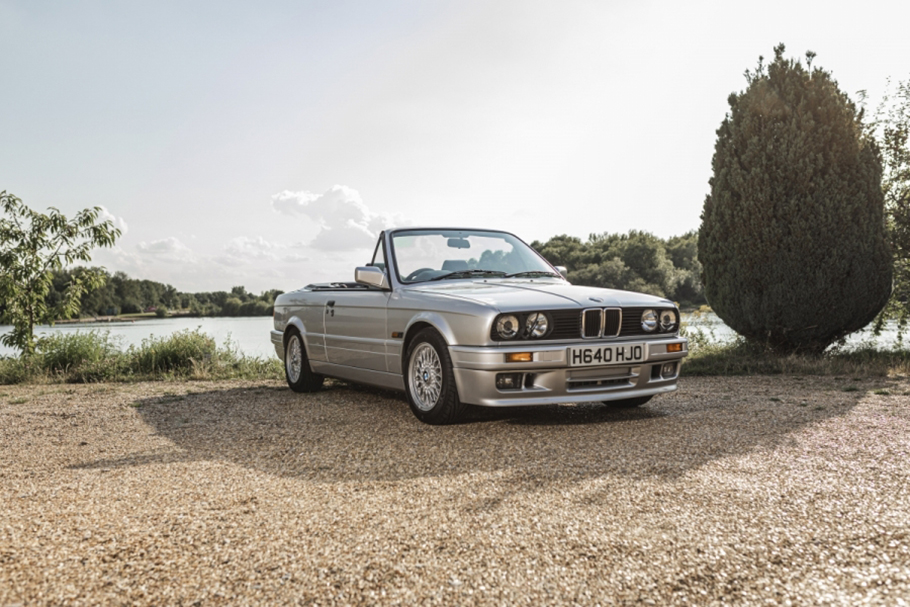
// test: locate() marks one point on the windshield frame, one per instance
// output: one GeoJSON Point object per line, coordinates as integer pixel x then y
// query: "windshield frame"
{"type": "Point", "coordinates": [391, 253]}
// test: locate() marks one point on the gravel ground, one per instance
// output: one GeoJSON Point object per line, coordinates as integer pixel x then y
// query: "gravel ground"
{"type": "Point", "coordinates": [733, 490]}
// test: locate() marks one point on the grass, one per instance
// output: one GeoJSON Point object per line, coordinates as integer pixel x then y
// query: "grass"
{"type": "Point", "coordinates": [741, 358]}
{"type": "Point", "coordinates": [95, 356]}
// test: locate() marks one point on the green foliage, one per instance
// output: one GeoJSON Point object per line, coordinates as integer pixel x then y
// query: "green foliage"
{"type": "Point", "coordinates": [92, 356]}
{"type": "Point", "coordinates": [120, 294]}
{"type": "Point", "coordinates": [637, 261]}
{"type": "Point", "coordinates": [792, 237]}
{"type": "Point", "coordinates": [32, 247]}
{"type": "Point", "coordinates": [892, 125]}
{"type": "Point", "coordinates": [95, 356]}
{"type": "Point", "coordinates": [178, 352]}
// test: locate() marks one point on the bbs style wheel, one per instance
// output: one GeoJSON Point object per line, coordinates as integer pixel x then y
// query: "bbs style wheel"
{"type": "Point", "coordinates": [429, 380]}
{"type": "Point", "coordinates": [297, 367]}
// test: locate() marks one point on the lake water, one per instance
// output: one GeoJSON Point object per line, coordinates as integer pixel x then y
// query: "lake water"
{"type": "Point", "coordinates": [251, 334]}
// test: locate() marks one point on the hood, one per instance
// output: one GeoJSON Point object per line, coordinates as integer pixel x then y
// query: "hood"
{"type": "Point", "coordinates": [512, 295]}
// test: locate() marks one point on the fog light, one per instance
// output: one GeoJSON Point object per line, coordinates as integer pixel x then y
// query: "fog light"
{"type": "Point", "coordinates": [674, 347]}
{"type": "Point", "coordinates": [668, 370]}
{"type": "Point", "coordinates": [519, 357]}
{"type": "Point", "coordinates": [508, 381]}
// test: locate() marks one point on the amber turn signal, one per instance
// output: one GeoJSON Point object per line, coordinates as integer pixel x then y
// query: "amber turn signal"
{"type": "Point", "coordinates": [674, 347]}
{"type": "Point", "coordinates": [519, 357]}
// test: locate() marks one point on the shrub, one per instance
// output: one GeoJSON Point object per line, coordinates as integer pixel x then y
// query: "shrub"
{"type": "Point", "coordinates": [161, 312]}
{"type": "Point", "coordinates": [89, 356]}
{"type": "Point", "coordinates": [179, 352]}
{"type": "Point", "coordinates": [792, 237]}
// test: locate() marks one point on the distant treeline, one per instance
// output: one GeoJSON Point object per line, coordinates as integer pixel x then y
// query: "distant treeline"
{"type": "Point", "coordinates": [124, 295]}
{"type": "Point", "coordinates": [637, 261]}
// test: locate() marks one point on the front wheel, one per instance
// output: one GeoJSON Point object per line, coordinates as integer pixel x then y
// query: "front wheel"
{"type": "Point", "coordinates": [628, 403]}
{"type": "Point", "coordinates": [297, 367]}
{"type": "Point", "coordinates": [429, 380]}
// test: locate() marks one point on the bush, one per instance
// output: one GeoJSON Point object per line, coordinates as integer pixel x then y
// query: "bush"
{"type": "Point", "coordinates": [161, 312]}
{"type": "Point", "coordinates": [95, 356]}
{"type": "Point", "coordinates": [91, 356]}
{"type": "Point", "coordinates": [179, 352]}
{"type": "Point", "coordinates": [792, 237]}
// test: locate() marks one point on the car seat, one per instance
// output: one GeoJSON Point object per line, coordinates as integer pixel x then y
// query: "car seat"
{"type": "Point", "coordinates": [455, 265]}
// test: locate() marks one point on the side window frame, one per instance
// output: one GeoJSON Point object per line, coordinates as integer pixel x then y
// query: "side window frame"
{"type": "Point", "coordinates": [380, 247]}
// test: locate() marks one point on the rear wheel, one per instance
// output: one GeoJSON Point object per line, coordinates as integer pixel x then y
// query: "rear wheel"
{"type": "Point", "coordinates": [297, 367]}
{"type": "Point", "coordinates": [628, 403]}
{"type": "Point", "coordinates": [429, 380]}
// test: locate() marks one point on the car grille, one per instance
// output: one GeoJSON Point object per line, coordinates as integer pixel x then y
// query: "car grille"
{"type": "Point", "coordinates": [591, 323]}
{"type": "Point", "coordinates": [567, 324]}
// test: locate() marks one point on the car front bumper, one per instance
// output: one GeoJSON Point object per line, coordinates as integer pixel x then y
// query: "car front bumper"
{"type": "Point", "coordinates": [549, 379]}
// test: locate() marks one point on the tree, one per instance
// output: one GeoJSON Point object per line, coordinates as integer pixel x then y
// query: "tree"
{"type": "Point", "coordinates": [893, 127]}
{"type": "Point", "coordinates": [792, 238]}
{"type": "Point", "coordinates": [637, 261]}
{"type": "Point", "coordinates": [33, 246]}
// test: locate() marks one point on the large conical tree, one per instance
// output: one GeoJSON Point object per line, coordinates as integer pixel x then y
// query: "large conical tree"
{"type": "Point", "coordinates": [792, 238]}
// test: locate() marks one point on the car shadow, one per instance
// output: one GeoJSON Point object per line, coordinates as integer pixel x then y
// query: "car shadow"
{"type": "Point", "coordinates": [346, 433]}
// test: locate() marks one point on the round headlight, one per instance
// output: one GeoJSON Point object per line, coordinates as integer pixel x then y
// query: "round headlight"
{"type": "Point", "coordinates": [507, 326]}
{"type": "Point", "coordinates": [537, 324]}
{"type": "Point", "coordinates": [649, 321]}
{"type": "Point", "coordinates": [667, 320]}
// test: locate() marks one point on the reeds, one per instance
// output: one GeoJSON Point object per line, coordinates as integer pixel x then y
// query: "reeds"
{"type": "Point", "coordinates": [95, 356]}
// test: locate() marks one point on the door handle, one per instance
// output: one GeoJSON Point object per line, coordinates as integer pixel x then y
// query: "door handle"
{"type": "Point", "coordinates": [330, 303]}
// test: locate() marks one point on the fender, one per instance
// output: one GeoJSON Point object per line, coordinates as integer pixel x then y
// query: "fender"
{"type": "Point", "coordinates": [437, 321]}
{"type": "Point", "coordinates": [314, 341]}
{"type": "Point", "coordinates": [294, 321]}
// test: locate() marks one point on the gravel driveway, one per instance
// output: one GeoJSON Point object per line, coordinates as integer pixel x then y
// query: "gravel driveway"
{"type": "Point", "coordinates": [733, 490]}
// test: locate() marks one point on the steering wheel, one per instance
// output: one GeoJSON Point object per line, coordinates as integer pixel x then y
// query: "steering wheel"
{"type": "Point", "coordinates": [416, 273]}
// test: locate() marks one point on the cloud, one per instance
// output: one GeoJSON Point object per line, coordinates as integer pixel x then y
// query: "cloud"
{"type": "Point", "coordinates": [167, 249]}
{"type": "Point", "coordinates": [118, 222]}
{"type": "Point", "coordinates": [243, 250]}
{"type": "Point", "coordinates": [345, 222]}
{"type": "Point", "coordinates": [252, 248]}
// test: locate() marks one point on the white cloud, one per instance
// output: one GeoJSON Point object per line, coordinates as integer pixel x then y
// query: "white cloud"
{"type": "Point", "coordinates": [118, 222]}
{"type": "Point", "coordinates": [243, 250]}
{"type": "Point", "coordinates": [252, 248]}
{"type": "Point", "coordinates": [167, 249]}
{"type": "Point", "coordinates": [344, 220]}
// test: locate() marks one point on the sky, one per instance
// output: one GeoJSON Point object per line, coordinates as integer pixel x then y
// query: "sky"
{"type": "Point", "coordinates": [267, 144]}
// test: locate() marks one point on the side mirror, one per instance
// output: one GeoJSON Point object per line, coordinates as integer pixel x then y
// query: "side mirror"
{"type": "Point", "coordinates": [371, 276]}
{"type": "Point", "coordinates": [562, 270]}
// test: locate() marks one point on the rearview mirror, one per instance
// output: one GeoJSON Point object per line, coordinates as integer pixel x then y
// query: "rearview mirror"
{"type": "Point", "coordinates": [371, 276]}
{"type": "Point", "coordinates": [562, 270]}
{"type": "Point", "coordinates": [458, 243]}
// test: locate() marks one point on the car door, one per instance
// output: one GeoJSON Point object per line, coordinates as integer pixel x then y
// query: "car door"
{"type": "Point", "coordinates": [355, 328]}
{"type": "Point", "coordinates": [356, 323]}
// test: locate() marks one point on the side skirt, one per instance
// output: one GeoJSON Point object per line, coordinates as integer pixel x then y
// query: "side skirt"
{"type": "Point", "coordinates": [392, 381]}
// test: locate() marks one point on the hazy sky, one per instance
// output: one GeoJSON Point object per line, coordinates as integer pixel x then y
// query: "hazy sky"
{"type": "Point", "coordinates": [265, 144]}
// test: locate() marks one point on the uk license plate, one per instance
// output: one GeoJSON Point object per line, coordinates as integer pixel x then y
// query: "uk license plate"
{"type": "Point", "coordinates": [616, 354]}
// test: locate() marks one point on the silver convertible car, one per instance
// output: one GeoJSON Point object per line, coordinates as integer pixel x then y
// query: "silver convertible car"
{"type": "Point", "coordinates": [461, 316]}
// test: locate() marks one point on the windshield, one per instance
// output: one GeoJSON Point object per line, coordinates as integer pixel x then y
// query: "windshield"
{"type": "Point", "coordinates": [422, 255]}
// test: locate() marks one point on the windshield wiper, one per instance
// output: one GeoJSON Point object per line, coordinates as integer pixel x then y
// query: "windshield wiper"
{"type": "Point", "coordinates": [533, 273]}
{"type": "Point", "coordinates": [469, 273]}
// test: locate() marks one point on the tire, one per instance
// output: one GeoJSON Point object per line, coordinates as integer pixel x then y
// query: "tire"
{"type": "Point", "coordinates": [429, 381]}
{"type": "Point", "coordinates": [297, 365]}
{"type": "Point", "coordinates": [628, 403]}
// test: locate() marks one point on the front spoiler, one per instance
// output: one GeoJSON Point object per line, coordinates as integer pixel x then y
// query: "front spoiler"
{"type": "Point", "coordinates": [548, 379]}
